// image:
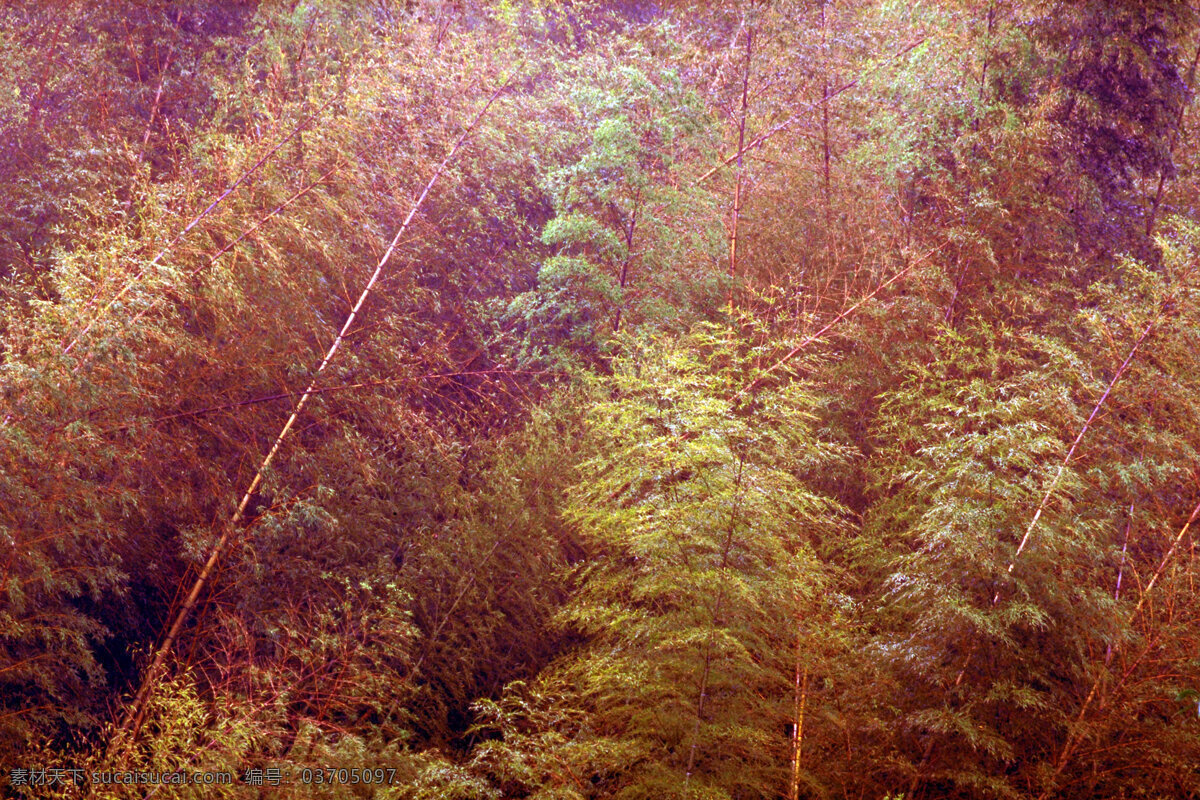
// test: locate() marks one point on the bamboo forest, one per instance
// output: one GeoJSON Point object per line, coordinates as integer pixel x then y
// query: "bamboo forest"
{"type": "Point", "coordinates": [633, 399]}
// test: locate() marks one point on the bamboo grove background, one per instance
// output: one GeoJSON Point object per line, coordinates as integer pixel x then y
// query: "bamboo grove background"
{"type": "Point", "coordinates": [602, 399]}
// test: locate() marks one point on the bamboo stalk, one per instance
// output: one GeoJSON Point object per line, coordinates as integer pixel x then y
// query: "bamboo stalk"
{"type": "Point", "coordinates": [135, 715]}
{"type": "Point", "coordinates": [741, 173]}
{"type": "Point", "coordinates": [262, 221]}
{"type": "Point", "coordinates": [1082, 431]}
{"type": "Point", "coordinates": [1059, 473]}
{"type": "Point", "coordinates": [162, 77]}
{"type": "Point", "coordinates": [1046, 499]}
{"type": "Point", "coordinates": [178, 237]}
{"type": "Point", "coordinates": [761, 139]}
{"type": "Point", "coordinates": [1120, 576]}
{"type": "Point", "coordinates": [798, 727]}
{"type": "Point", "coordinates": [825, 148]}
{"type": "Point", "coordinates": [710, 644]}
{"type": "Point", "coordinates": [623, 278]}
{"type": "Point", "coordinates": [1074, 735]}
{"type": "Point", "coordinates": [795, 351]}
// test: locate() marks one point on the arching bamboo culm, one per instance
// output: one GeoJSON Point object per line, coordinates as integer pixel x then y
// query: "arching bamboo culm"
{"type": "Point", "coordinates": [127, 731]}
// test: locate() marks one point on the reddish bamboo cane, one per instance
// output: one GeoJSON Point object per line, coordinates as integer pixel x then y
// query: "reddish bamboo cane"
{"type": "Point", "coordinates": [1166, 304]}
{"type": "Point", "coordinates": [1075, 444]}
{"type": "Point", "coordinates": [135, 715]}
{"type": "Point", "coordinates": [738, 198]}
{"type": "Point", "coordinates": [801, 699]}
{"type": "Point", "coordinates": [1074, 735]}
{"type": "Point", "coordinates": [761, 139]}
{"type": "Point", "coordinates": [795, 351]}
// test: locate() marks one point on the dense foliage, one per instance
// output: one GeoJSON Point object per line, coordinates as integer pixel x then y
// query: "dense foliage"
{"type": "Point", "coordinates": [768, 399]}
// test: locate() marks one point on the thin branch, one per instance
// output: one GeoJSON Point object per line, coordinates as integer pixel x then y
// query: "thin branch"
{"type": "Point", "coordinates": [129, 284]}
{"type": "Point", "coordinates": [162, 77]}
{"type": "Point", "coordinates": [1108, 654]}
{"type": "Point", "coordinates": [1082, 431]}
{"type": "Point", "coordinates": [262, 221]}
{"type": "Point", "coordinates": [1166, 558]}
{"type": "Point", "coordinates": [1074, 735]}
{"type": "Point", "coordinates": [795, 351]}
{"type": "Point", "coordinates": [738, 198]}
{"type": "Point", "coordinates": [762, 138]}
{"type": "Point", "coordinates": [710, 644]}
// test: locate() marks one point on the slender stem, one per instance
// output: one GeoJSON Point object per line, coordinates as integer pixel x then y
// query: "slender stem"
{"type": "Point", "coordinates": [137, 710]}
{"type": "Point", "coordinates": [1075, 444]}
{"type": "Point", "coordinates": [623, 278]}
{"type": "Point", "coordinates": [710, 645]}
{"type": "Point", "coordinates": [262, 221]}
{"type": "Point", "coordinates": [1075, 734]}
{"type": "Point", "coordinates": [798, 727]}
{"type": "Point", "coordinates": [795, 351]}
{"type": "Point", "coordinates": [761, 139]}
{"type": "Point", "coordinates": [1109, 650]}
{"type": "Point", "coordinates": [162, 77]}
{"type": "Point", "coordinates": [825, 119]}
{"type": "Point", "coordinates": [737, 189]}
{"type": "Point", "coordinates": [129, 284]}
{"type": "Point", "coordinates": [1054, 485]}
